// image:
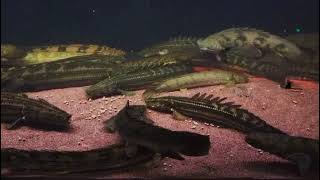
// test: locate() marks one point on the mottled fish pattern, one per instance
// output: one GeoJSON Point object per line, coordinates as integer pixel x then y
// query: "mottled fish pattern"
{"type": "Point", "coordinates": [270, 66]}
{"type": "Point", "coordinates": [237, 37]}
{"type": "Point", "coordinates": [57, 52]}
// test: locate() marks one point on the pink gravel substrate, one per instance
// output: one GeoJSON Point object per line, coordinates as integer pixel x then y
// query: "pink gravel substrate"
{"type": "Point", "coordinates": [295, 112]}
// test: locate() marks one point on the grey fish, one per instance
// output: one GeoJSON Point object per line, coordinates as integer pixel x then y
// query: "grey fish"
{"type": "Point", "coordinates": [109, 158]}
{"type": "Point", "coordinates": [18, 109]}
{"type": "Point", "coordinates": [135, 128]}
{"type": "Point", "coordinates": [302, 151]}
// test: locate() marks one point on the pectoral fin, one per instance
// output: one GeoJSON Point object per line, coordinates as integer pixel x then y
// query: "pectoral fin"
{"type": "Point", "coordinates": [178, 116]}
{"type": "Point", "coordinates": [14, 124]}
{"type": "Point", "coordinates": [302, 160]}
{"type": "Point", "coordinates": [110, 125]}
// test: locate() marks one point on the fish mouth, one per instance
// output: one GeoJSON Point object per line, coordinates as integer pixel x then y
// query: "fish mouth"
{"type": "Point", "coordinates": [94, 94]}
{"type": "Point", "coordinates": [99, 93]}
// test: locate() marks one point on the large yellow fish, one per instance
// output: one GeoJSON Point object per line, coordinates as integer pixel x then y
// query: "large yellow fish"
{"type": "Point", "coordinates": [52, 53]}
{"type": "Point", "coordinates": [240, 37]}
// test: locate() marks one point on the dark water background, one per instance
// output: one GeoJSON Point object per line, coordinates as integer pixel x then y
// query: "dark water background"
{"type": "Point", "coordinates": [133, 24]}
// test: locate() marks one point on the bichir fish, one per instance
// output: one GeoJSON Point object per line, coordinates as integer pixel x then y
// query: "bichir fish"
{"type": "Point", "coordinates": [135, 81]}
{"type": "Point", "coordinates": [56, 52]}
{"type": "Point", "coordinates": [213, 110]}
{"type": "Point", "coordinates": [300, 150]}
{"type": "Point", "coordinates": [18, 109]}
{"type": "Point", "coordinates": [52, 162]}
{"type": "Point", "coordinates": [136, 129]}
{"type": "Point", "coordinates": [198, 79]}
{"type": "Point", "coordinates": [238, 37]}
{"type": "Point", "coordinates": [71, 72]}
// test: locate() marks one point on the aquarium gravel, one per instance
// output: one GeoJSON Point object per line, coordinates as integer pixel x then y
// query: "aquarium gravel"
{"type": "Point", "coordinates": [293, 111]}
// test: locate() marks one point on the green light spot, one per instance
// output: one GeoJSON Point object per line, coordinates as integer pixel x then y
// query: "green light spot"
{"type": "Point", "coordinates": [298, 30]}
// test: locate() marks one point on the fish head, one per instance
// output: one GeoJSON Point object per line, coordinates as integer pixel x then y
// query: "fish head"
{"type": "Point", "coordinates": [153, 51]}
{"type": "Point", "coordinates": [54, 115]}
{"type": "Point", "coordinates": [53, 118]}
{"type": "Point", "coordinates": [11, 51]}
{"type": "Point", "coordinates": [239, 78]}
{"type": "Point", "coordinates": [159, 104]}
{"type": "Point", "coordinates": [210, 45]}
{"type": "Point", "coordinates": [7, 50]}
{"type": "Point", "coordinates": [182, 44]}
{"type": "Point", "coordinates": [103, 88]}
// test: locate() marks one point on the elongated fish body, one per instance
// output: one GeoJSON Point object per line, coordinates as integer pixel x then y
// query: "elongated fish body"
{"type": "Point", "coordinates": [136, 80]}
{"type": "Point", "coordinates": [270, 66]}
{"type": "Point", "coordinates": [198, 79]}
{"type": "Point", "coordinates": [109, 158]}
{"type": "Point", "coordinates": [237, 37]}
{"type": "Point", "coordinates": [171, 46]}
{"type": "Point", "coordinates": [51, 53]}
{"type": "Point", "coordinates": [164, 141]}
{"type": "Point", "coordinates": [76, 71]}
{"type": "Point", "coordinates": [212, 110]}
{"type": "Point", "coordinates": [161, 61]}
{"type": "Point", "coordinates": [302, 151]}
{"type": "Point", "coordinates": [17, 109]}
{"type": "Point", "coordinates": [147, 63]}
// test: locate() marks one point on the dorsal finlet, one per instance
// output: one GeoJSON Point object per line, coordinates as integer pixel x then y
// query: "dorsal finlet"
{"type": "Point", "coordinates": [209, 99]}
{"type": "Point", "coordinates": [195, 96]}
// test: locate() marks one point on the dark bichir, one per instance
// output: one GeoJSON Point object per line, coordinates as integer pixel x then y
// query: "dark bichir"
{"type": "Point", "coordinates": [212, 110]}
{"type": "Point", "coordinates": [77, 71]}
{"type": "Point", "coordinates": [109, 158]}
{"type": "Point", "coordinates": [272, 67]}
{"type": "Point", "coordinates": [18, 109]}
{"type": "Point", "coordinates": [300, 150]}
{"type": "Point", "coordinates": [136, 80]}
{"type": "Point", "coordinates": [135, 128]}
